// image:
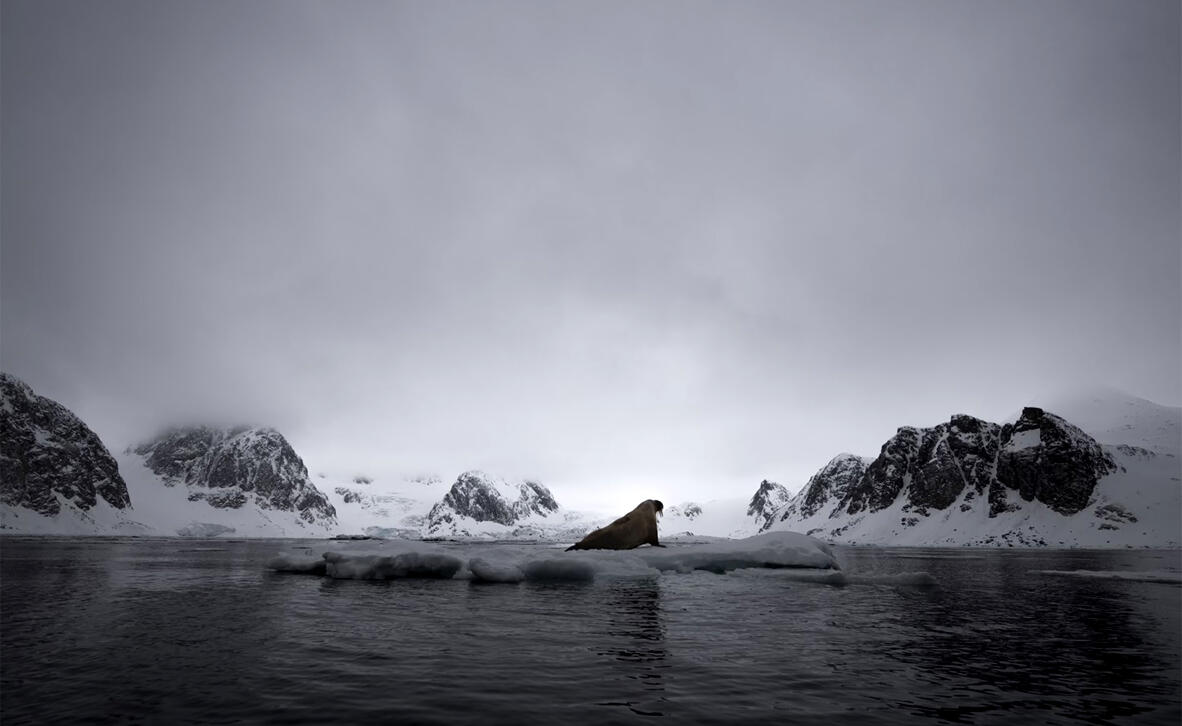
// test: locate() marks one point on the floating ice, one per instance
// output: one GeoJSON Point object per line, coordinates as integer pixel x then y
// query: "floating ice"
{"type": "Point", "coordinates": [1166, 576]}
{"type": "Point", "coordinates": [546, 568]}
{"type": "Point", "coordinates": [203, 529]}
{"type": "Point", "coordinates": [298, 563]}
{"type": "Point", "coordinates": [485, 571]}
{"type": "Point", "coordinates": [771, 549]}
{"type": "Point", "coordinates": [508, 564]}
{"type": "Point", "coordinates": [377, 567]}
{"type": "Point", "coordinates": [390, 561]}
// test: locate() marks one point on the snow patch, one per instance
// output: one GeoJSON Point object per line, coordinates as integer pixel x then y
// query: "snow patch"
{"type": "Point", "coordinates": [1027, 439]}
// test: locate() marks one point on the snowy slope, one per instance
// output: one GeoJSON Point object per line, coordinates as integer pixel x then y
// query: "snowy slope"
{"type": "Point", "coordinates": [167, 510]}
{"type": "Point", "coordinates": [100, 519]}
{"type": "Point", "coordinates": [1113, 417]}
{"type": "Point", "coordinates": [474, 506]}
{"type": "Point", "coordinates": [713, 518]}
{"type": "Point", "coordinates": [381, 506]}
{"type": "Point", "coordinates": [479, 506]}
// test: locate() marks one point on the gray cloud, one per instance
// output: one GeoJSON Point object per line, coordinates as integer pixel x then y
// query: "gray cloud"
{"type": "Point", "coordinates": [660, 248]}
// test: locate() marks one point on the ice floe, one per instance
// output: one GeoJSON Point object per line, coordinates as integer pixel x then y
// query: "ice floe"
{"type": "Point", "coordinates": [203, 529]}
{"type": "Point", "coordinates": [508, 563]}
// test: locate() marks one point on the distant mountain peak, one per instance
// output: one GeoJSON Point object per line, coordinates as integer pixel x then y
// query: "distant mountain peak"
{"type": "Point", "coordinates": [974, 481]}
{"type": "Point", "coordinates": [768, 498]}
{"type": "Point", "coordinates": [477, 497]}
{"type": "Point", "coordinates": [229, 468]}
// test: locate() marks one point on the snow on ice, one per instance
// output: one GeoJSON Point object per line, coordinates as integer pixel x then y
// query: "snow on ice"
{"type": "Point", "coordinates": [515, 563]}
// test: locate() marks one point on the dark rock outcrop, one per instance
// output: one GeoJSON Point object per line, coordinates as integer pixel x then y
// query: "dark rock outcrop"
{"type": "Point", "coordinates": [230, 468]}
{"type": "Point", "coordinates": [1040, 457]}
{"type": "Point", "coordinates": [534, 499]}
{"type": "Point", "coordinates": [884, 477]}
{"type": "Point", "coordinates": [1047, 459]}
{"type": "Point", "coordinates": [473, 496]}
{"type": "Point", "coordinates": [934, 464]}
{"type": "Point", "coordinates": [477, 497]}
{"type": "Point", "coordinates": [831, 483]}
{"type": "Point", "coordinates": [47, 452]}
{"type": "Point", "coordinates": [350, 496]}
{"type": "Point", "coordinates": [767, 500]}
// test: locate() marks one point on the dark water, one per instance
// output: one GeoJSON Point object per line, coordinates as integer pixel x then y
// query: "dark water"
{"type": "Point", "coordinates": [173, 631]}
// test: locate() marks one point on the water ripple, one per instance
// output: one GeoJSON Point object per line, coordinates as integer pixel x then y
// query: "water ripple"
{"type": "Point", "coordinates": [123, 631]}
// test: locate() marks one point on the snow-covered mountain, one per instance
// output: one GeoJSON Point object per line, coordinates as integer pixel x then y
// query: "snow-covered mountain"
{"type": "Point", "coordinates": [382, 506]}
{"type": "Point", "coordinates": [57, 477]}
{"type": "Point", "coordinates": [1105, 471]}
{"type": "Point", "coordinates": [55, 473]}
{"type": "Point", "coordinates": [1040, 480]}
{"type": "Point", "coordinates": [477, 505]}
{"type": "Point", "coordinates": [766, 501]}
{"type": "Point", "coordinates": [249, 480]}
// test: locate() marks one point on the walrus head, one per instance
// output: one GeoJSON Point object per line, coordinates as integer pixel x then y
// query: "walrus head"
{"type": "Point", "coordinates": [659, 507]}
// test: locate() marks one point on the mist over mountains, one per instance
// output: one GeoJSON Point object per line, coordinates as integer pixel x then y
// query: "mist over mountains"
{"type": "Point", "coordinates": [1039, 481]}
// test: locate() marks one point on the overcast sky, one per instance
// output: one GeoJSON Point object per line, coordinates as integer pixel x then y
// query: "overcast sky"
{"type": "Point", "coordinates": [636, 249]}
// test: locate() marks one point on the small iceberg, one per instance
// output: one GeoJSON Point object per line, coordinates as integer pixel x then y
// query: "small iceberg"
{"type": "Point", "coordinates": [402, 562]}
{"type": "Point", "coordinates": [204, 529]}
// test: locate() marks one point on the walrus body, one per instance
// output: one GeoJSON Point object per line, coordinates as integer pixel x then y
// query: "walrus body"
{"type": "Point", "coordinates": [632, 530]}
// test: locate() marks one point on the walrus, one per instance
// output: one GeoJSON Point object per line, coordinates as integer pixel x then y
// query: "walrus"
{"type": "Point", "coordinates": [632, 530]}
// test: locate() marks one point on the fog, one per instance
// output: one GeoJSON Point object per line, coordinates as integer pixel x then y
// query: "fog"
{"type": "Point", "coordinates": [655, 249]}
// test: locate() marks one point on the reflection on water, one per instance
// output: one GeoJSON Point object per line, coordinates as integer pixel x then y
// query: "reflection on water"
{"type": "Point", "coordinates": [636, 640]}
{"type": "Point", "coordinates": [1082, 643]}
{"type": "Point", "coordinates": [997, 641]}
{"type": "Point", "coordinates": [162, 631]}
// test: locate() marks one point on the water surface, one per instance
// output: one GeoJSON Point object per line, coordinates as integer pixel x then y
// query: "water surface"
{"type": "Point", "coordinates": [183, 631]}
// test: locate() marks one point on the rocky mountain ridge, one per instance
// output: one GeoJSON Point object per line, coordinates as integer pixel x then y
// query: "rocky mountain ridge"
{"type": "Point", "coordinates": [49, 456]}
{"type": "Point", "coordinates": [475, 498]}
{"type": "Point", "coordinates": [1038, 480]}
{"type": "Point", "coordinates": [228, 469]}
{"type": "Point", "coordinates": [767, 500]}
